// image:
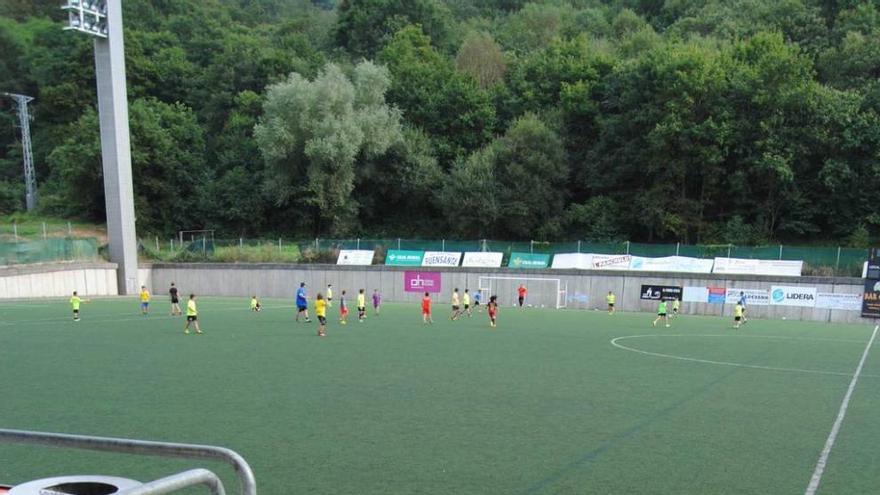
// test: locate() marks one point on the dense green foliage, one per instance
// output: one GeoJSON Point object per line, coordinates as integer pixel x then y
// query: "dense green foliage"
{"type": "Point", "coordinates": [695, 120]}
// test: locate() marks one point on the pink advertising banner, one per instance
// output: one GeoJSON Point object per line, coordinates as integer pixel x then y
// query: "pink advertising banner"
{"type": "Point", "coordinates": [421, 281]}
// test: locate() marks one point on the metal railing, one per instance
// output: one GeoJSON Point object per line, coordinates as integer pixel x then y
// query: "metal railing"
{"type": "Point", "coordinates": [247, 482]}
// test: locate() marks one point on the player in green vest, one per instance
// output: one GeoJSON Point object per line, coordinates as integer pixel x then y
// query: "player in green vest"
{"type": "Point", "coordinates": [661, 314]}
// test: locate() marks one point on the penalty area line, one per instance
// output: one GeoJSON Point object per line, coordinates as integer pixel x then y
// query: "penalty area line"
{"type": "Point", "coordinates": [816, 479]}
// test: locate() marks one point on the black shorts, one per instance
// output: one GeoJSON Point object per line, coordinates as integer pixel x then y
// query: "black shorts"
{"type": "Point", "coordinates": [175, 300]}
{"type": "Point", "coordinates": [467, 306]}
{"type": "Point", "coordinates": [455, 308]}
{"type": "Point", "coordinates": [521, 299]}
{"type": "Point", "coordinates": [737, 318]}
{"type": "Point", "coordinates": [661, 314]}
{"type": "Point", "coordinates": [675, 310]}
{"type": "Point", "coordinates": [610, 305]}
{"type": "Point", "coordinates": [476, 303]}
{"type": "Point", "coordinates": [191, 317]}
{"type": "Point", "coordinates": [322, 320]}
{"type": "Point", "coordinates": [362, 309]}
{"type": "Point", "coordinates": [302, 309]}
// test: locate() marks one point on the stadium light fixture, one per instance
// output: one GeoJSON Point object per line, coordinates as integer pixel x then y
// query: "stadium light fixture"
{"type": "Point", "coordinates": [87, 16]}
{"type": "Point", "coordinates": [102, 20]}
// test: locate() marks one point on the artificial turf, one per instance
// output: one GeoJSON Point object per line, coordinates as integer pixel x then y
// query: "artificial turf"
{"type": "Point", "coordinates": [542, 404]}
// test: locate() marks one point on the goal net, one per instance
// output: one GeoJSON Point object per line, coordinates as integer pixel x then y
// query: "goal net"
{"type": "Point", "coordinates": [541, 292]}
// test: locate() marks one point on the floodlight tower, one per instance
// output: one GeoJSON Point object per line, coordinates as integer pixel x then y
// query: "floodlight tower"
{"type": "Point", "coordinates": [102, 19]}
{"type": "Point", "coordinates": [24, 122]}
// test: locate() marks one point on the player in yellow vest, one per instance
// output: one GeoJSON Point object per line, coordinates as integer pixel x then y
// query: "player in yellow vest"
{"type": "Point", "coordinates": [192, 315]}
{"type": "Point", "coordinates": [75, 301]}
{"type": "Point", "coordinates": [466, 300]}
{"type": "Point", "coordinates": [329, 295]}
{"type": "Point", "coordinates": [145, 301]}
{"type": "Point", "coordinates": [737, 315]}
{"type": "Point", "coordinates": [362, 306]}
{"type": "Point", "coordinates": [610, 299]}
{"type": "Point", "coordinates": [321, 313]}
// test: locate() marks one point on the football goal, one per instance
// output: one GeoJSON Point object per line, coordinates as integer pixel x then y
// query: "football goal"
{"type": "Point", "coordinates": [541, 292]}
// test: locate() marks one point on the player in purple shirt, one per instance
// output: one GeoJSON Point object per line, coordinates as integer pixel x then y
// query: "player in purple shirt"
{"type": "Point", "coordinates": [377, 301]}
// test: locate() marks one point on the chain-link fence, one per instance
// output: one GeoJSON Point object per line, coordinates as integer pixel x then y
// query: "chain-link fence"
{"type": "Point", "coordinates": [823, 261]}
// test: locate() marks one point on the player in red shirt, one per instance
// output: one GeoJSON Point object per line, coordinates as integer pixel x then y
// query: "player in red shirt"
{"type": "Point", "coordinates": [426, 309]}
{"type": "Point", "coordinates": [492, 309]}
{"type": "Point", "coordinates": [522, 295]}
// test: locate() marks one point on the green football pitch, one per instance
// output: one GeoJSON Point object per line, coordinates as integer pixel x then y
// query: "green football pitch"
{"type": "Point", "coordinates": [549, 402]}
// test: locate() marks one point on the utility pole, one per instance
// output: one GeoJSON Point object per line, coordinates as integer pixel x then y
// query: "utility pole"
{"type": "Point", "coordinates": [24, 122]}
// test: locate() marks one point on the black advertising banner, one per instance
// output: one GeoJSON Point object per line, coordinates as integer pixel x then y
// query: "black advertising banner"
{"type": "Point", "coordinates": [658, 292]}
{"type": "Point", "coordinates": [871, 299]}
{"type": "Point", "coordinates": [873, 265]}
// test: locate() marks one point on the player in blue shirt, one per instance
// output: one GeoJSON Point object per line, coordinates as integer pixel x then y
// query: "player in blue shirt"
{"type": "Point", "coordinates": [478, 297]}
{"type": "Point", "coordinates": [742, 302]}
{"type": "Point", "coordinates": [302, 303]}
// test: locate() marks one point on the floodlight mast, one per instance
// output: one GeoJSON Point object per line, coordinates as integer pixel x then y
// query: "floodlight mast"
{"type": "Point", "coordinates": [30, 175]}
{"type": "Point", "coordinates": [102, 19]}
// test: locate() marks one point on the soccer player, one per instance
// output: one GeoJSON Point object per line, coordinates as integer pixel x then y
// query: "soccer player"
{"type": "Point", "coordinates": [377, 301]}
{"type": "Point", "coordinates": [522, 295]}
{"type": "Point", "coordinates": [426, 309]}
{"type": "Point", "coordinates": [302, 303]}
{"type": "Point", "coordinates": [466, 300]}
{"type": "Point", "coordinates": [676, 305]}
{"type": "Point", "coordinates": [145, 301]}
{"type": "Point", "coordinates": [255, 304]}
{"type": "Point", "coordinates": [456, 305]}
{"type": "Point", "coordinates": [192, 315]}
{"type": "Point", "coordinates": [478, 296]}
{"type": "Point", "coordinates": [610, 299]}
{"type": "Point", "coordinates": [329, 295]}
{"type": "Point", "coordinates": [75, 301]}
{"type": "Point", "coordinates": [492, 309]}
{"type": "Point", "coordinates": [321, 313]}
{"type": "Point", "coordinates": [175, 301]}
{"type": "Point", "coordinates": [742, 302]}
{"type": "Point", "coordinates": [343, 310]}
{"type": "Point", "coordinates": [362, 306]}
{"type": "Point", "coordinates": [661, 314]}
{"type": "Point", "coordinates": [737, 315]}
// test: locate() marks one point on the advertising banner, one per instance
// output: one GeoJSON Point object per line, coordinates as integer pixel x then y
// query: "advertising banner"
{"type": "Point", "coordinates": [754, 297]}
{"type": "Point", "coordinates": [355, 257]}
{"type": "Point", "coordinates": [845, 302]}
{"type": "Point", "coordinates": [421, 282]}
{"type": "Point", "coordinates": [528, 260]}
{"type": "Point", "coordinates": [396, 257]}
{"type": "Point", "coordinates": [658, 292]}
{"type": "Point", "coordinates": [871, 299]}
{"type": "Point", "coordinates": [737, 266]}
{"type": "Point", "coordinates": [482, 260]}
{"type": "Point", "coordinates": [681, 264]}
{"type": "Point", "coordinates": [609, 261]}
{"type": "Point", "coordinates": [784, 295]}
{"type": "Point", "coordinates": [717, 295]}
{"type": "Point", "coordinates": [695, 294]}
{"type": "Point", "coordinates": [441, 258]}
{"type": "Point", "coordinates": [565, 261]}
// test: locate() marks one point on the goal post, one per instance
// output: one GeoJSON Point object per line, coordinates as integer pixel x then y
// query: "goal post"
{"type": "Point", "coordinates": [542, 292]}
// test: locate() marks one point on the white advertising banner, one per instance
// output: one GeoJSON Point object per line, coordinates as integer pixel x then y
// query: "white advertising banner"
{"type": "Point", "coordinates": [695, 294]}
{"type": "Point", "coordinates": [846, 302]}
{"type": "Point", "coordinates": [441, 258]}
{"type": "Point", "coordinates": [681, 264]}
{"type": "Point", "coordinates": [738, 266]}
{"type": "Point", "coordinates": [483, 260]}
{"type": "Point", "coordinates": [610, 261]}
{"type": "Point", "coordinates": [355, 257]}
{"type": "Point", "coordinates": [784, 295]}
{"type": "Point", "coordinates": [754, 297]}
{"type": "Point", "coordinates": [565, 261]}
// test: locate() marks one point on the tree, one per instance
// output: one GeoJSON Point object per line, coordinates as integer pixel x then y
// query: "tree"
{"type": "Point", "coordinates": [167, 154]}
{"type": "Point", "coordinates": [365, 26]}
{"type": "Point", "coordinates": [312, 132]}
{"type": "Point", "coordinates": [482, 58]}
{"type": "Point", "coordinates": [448, 105]}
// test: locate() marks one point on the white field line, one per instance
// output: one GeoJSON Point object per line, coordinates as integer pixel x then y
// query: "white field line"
{"type": "Point", "coordinates": [615, 342]}
{"type": "Point", "coordinates": [835, 429]}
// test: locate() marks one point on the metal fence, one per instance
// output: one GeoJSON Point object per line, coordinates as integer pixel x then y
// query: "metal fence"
{"type": "Point", "coordinates": [824, 261]}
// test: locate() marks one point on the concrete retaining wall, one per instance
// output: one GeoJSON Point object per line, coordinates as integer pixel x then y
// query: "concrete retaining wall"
{"type": "Point", "coordinates": [586, 289]}
{"type": "Point", "coordinates": [58, 280]}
